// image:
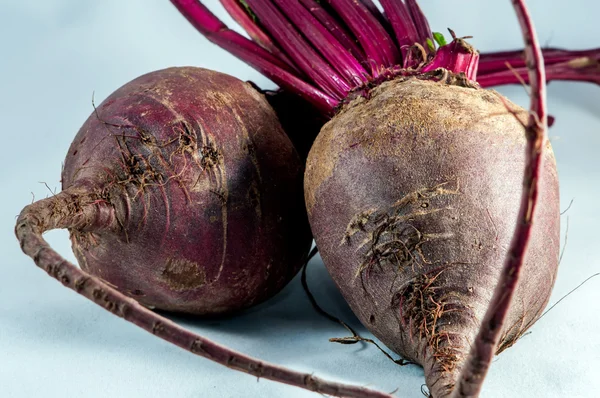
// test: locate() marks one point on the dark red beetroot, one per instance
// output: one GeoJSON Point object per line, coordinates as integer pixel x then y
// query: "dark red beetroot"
{"type": "Point", "coordinates": [415, 189]}
{"type": "Point", "coordinates": [183, 191]}
{"type": "Point", "coordinates": [430, 207]}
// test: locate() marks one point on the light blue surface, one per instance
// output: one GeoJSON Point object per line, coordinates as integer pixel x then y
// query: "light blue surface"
{"type": "Point", "coordinates": [54, 343]}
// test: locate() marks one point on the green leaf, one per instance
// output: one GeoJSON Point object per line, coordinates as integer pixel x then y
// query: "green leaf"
{"type": "Point", "coordinates": [439, 39]}
{"type": "Point", "coordinates": [430, 45]}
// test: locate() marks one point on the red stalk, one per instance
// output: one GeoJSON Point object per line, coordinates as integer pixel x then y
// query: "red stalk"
{"type": "Point", "coordinates": [579, 69]}
{"type": "Point", "coordinates": [369, 5]}
{"type": "Point", "coordinates": [299, 50]}
{"type": "Point", "coordinates": [324, 41]}
{"type": "Point", "coordinates": [402, 24]}
{"type": "Point", "coordinates": [457, 57]}
{"type": "Point", "coordinates": [217, 32]}
{"type": "Point", "coordinates": [578, 65]}
{"type": "Point", "coordinates": [251, 53]}
{"type": "Point", "coordinates": [333, 80]}
{"type": "Point", "coordinates": [420, 21]}
{"type": "Point", "coordinates": [240, 15]}
{"type": "Point", "coordinates": [377, 44]}
{"type": "Point", "coordinates": [493, 62]}
{"type": "Point", "coordinates": [335, 28]}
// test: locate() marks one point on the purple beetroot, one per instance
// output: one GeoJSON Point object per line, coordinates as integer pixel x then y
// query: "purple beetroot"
{"type": "Point", "coordinates": [182, 191]}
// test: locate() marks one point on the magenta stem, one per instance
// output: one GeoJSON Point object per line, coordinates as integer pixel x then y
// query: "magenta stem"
{"type": "Point", "coordinates": [378, 46]}
{"type": "Point", "coordinates": [342, 45]}
{"type": "Point", "coordinates": [343, 36]}
{"type": "Point", "coordinates": [423, 29]}
{"type": "Point", "coordinates": [369, 5]}
{"type": "Point", "coordinates": [560, 71]}
{"type": "Point", "coordinates": [402, 24]}
{"type": "Point", "coordinates": [251, 53]}
{"type": "Point", "coordinates": [300, 51]}
{"type": "Point", "coordinates": [493, 62]}
{"type": "Point", "coordinates": [337, 56]}
{"type": "Point", "coordinates": [240, 15]}
{"type": "Point", "coordinates": [217, 32]}
{"type": "Point", "coordinates": [457, 57]}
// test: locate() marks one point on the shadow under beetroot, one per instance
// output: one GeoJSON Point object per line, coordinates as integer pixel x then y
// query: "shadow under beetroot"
{"type": "Point", "coordinates": [289, 311]}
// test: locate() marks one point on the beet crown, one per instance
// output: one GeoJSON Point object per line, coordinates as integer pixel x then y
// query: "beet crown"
{"type": "Point", "coordinates": [330, 51]}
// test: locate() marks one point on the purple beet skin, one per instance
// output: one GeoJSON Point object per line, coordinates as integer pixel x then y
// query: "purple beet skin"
{"type": "Point", "coordinates": [430, 206]}
{"type": "Point", "coordinates": [193, 194]}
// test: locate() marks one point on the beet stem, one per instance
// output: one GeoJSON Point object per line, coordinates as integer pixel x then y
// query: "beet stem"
{"type": "Point", "coordinates": [496, 61]}
{"type": "Point", "coordinates": [482, 351]}
{"type": "Point", "coordinates": [302, 54]}
{"type": "Point", "coordinates": [379, 48]}
{"type": "Point", "coordinates": [299, 50]}
{"type": "Point", "coordinates": [423, 29]}
{"type": "Point", "coordinates": [251, 53]}
{"type": "Point", "coordinates": [57, 212]}
{"type": "Point", "coordinates": [216, 31]}
{"type": "Point", "coordinates": [583, 69]}
{"type": "Point", "coordinates": [381, 18]}
{"type": "Point", "coordinates": [458, 57]}
{"type": "Point", "coordinates": [239, 15]}
{"type": "Point", "coordinates": [402, 24]}
{"type": "Point", "coordinates": [337, 56]}
{"type": "Point", "coordinates": [335, 27]}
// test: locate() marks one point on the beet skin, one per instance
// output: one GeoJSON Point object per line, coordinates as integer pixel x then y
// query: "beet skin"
{"type": "Point", "coordinates": [203, 190]}
{"type": "Point", "coordinates": [431, 177]}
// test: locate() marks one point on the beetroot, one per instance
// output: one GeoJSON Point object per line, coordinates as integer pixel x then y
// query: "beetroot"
{"type": "Point", "coordinates": [419, 245]}
{"type": "Point", "coordinates": [183, 191]}
{"type": "Point", "coordinates": [415, 187]}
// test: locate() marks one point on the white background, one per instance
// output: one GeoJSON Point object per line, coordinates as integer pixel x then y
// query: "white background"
{"type": "Point", "coordinates": [53, 343]}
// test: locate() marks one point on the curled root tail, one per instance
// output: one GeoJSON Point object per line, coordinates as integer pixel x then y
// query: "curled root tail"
{"type": "Point", "coordinates": [82, 211]}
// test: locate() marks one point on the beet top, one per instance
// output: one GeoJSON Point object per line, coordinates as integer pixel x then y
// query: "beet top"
{"type": "Point", "coordinates": [182, 190]}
